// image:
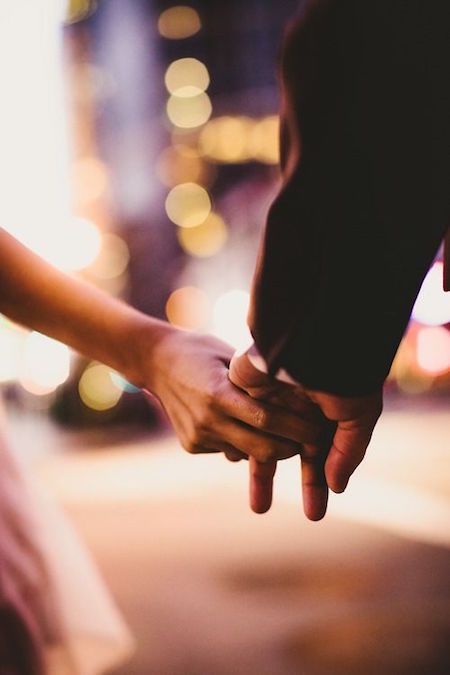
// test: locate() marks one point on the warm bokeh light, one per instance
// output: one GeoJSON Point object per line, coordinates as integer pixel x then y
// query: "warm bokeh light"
{"type": "Point", "coordinates": [188, 205]}
{"type": "Point", "coordinates": [432, 306]}
{"type": "Point", "coordinates": [189, 308]}
{"type": "Point", "coordinates": [45, 364]}
{"type": "Point", "coordinates": [191, 112]}
{"type": "Point", "coordinates": [89, 179]}
{"type": "Point", "coordinates": [206, 239]}
{"type": "Point", "coordinates": [433, 349]}
{"type": "Point", "coordinates": [79, 9]}
{"type": "Point", "coordinates": [113, 258]}
{"type": "Point", "coordinates": [230, 318]}
{"type": "Point", "coordinates": [264, 143]}
{"type": "Point", "coordinates": [179, 22]}
{"type": "Point", "coordinates": [78, 246]}
{"type": "Point", "coordinates": [182, 164]}
{"type": "Point", "coordinates": [97, 388]}
{"type": "Point", "coordinates": [187, 77]}
{"type": "Point", "coordinates": [225, 139]}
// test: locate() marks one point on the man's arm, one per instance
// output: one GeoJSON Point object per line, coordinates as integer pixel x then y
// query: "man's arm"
{"type": "Point", "coordinates": [365, 202]}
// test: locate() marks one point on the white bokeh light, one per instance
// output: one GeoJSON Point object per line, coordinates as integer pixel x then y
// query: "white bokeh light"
{"type": "Point", "coordinates": [432, 306]}
{"type": "Point", "coordinates": [433, 349]}
{"type": "Point", "coordinates": [45, 364]}
{"type": "Point", "coordinates": [230, 318]}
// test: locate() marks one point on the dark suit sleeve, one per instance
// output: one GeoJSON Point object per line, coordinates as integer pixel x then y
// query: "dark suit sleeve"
{"type": "Point", "coordinates": [364, 202]}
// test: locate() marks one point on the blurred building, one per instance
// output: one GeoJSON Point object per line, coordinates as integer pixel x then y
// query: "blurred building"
{"type": "Point", "coordinates": [145, 137]}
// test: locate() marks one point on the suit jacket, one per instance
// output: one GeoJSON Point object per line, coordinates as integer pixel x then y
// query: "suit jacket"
{"type": "Point", "coordinates": [364, 202]}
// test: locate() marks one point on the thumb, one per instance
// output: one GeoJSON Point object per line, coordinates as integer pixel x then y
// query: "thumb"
{"type": "Point", "coordinates": [347, 451]}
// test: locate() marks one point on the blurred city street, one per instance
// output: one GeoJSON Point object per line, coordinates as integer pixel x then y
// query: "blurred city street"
{"type": "Point", "coordinates": [208, 588]}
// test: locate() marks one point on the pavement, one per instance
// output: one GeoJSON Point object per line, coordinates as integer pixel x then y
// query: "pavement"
{"type": "Point", "coordinates": [208, 588]}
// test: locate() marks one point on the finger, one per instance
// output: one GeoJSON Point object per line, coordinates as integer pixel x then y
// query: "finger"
{"type": "Point", "coordinates": [263, 447]}
{"type": "Point", "coordinates": [261, 485]}
{"type": "Point", "coordinates": [234, 455]}
{"type": "Point", "coordinates": [314, 484]}
{"type": "Point", "coordinates": [264, 387]}
{"type": "Point", "coordinates": [347, 451]}
{"type": "Point", "coordinates": [268, 418]}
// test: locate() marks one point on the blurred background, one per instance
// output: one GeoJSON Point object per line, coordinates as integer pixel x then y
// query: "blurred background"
{"type": "Point", "coordinates": [139, 150]}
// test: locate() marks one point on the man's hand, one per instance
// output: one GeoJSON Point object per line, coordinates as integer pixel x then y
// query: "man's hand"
{"type": "Point", "coordinates": [286, 396]}
{"type": "Point", "coordinates": [347, 425]}
{"type": "Point", "coordinates": [188, 373]}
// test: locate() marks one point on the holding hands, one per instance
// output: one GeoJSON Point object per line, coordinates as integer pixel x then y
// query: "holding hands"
{"type": "Point", "coordinates": [344, 428]}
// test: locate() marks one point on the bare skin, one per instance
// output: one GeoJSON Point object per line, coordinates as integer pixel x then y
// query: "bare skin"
{"type": "Point", "coordinates": [188, 373]}
{"type": "Point", "coordinates": [347, 425]}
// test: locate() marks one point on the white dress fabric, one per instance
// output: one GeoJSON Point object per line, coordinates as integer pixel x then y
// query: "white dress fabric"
{"type": "Point", "coordinates": [48, 576]}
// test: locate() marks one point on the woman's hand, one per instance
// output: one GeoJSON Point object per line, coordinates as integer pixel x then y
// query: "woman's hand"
{"type": "Point", "coordinates": [188, 373]}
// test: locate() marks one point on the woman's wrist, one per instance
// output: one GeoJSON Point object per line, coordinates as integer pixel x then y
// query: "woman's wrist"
{"type": "Point", "coordinates": [141, 348]}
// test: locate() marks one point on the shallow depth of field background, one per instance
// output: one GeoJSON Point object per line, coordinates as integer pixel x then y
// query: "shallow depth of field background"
{"type": "Point", "coordinates": [139, 150]}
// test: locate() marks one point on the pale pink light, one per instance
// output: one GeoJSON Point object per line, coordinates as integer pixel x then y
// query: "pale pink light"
{"type": "Point", "coordinates": [433, 350]}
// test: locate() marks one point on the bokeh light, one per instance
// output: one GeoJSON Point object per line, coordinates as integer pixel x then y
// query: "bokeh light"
{"type": "Point", "coordinates": [76, 247]}
{"type": "Point", "coordinates": [113, 258]}
{"type": "Point", "coordinates": [264, 142]}
{"type": "Point", "coordinates": [230, 318]}
{"type": "Point", "coordinates": [432, 306]}
{"type": "Point", "coordinates": [225, 139]}
{"type": "Point", "coordinates": [179, 22]}
{"type": "Point", "coordinates": [97, 389]}
{"type": "Point", "coordinates": [188, 307]}
{"type": "Point", "coordinates": [206, 239]}
{"type": "Point", "coordinates": [187, 77]}
{"type": "Point", "coordinates": [183, 164]}
{"type": "Point", "coordinates": [191, 112]}
{"type": "Point", "coordinates": [79, 9]}
{"type": "Point", "coordinates": [433, 349]}
{"type": "Point", "coordinates": [45, 364]}
{"type": "Point", "coordinates": [188, 205]}
{"type": "Point", "coordinates": [89, 178]}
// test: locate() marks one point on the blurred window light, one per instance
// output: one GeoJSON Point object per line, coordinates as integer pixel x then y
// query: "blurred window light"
{"type": "Point", "coordinates": [189, 113]}
{"type": "Point", "coordinates": [432, 306]}
{"type": "Point", "coordinates": [45, 364]}
{"type": "Point", "coordinates": [187, 77]}
{"type": "Point", "coordinates": [90, 180]}
{"type": "Point", "coordinates": [188, 205]}
{"type": "Point", "coordinates": [225, 139]}
{"type": "Point", "coordinates": [264, 143]}
{"type": "Point", "coordinates": [79, 9]}
{"type": "Point", "coordinates": [34, 158]}
{"type": "Point", "coordinates": [433, 349]}
{"type": "Point", "coordinates": [188, 308]}
{"type": "Point", "coordinates": [97, 389]}
{"type": "Point", "coordinates": [206, 239]}
{"type": "Point", "coordinates": [182, 164]}
{"type": "Point", "coordinates": [230, 318]}
{"type": "Point", "coordinates": [113, 258]}
{"type": "Point", "coordinates": [179, 22]}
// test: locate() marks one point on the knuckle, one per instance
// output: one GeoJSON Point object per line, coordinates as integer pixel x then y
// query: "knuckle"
{"type": "Point", "coordinates": [261, 418]}
{"type": "Point", "coordinates": [192, 443]}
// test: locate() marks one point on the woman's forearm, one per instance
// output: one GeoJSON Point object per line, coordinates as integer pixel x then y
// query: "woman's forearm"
{"type": "Point", "coordinates": [40, 297]}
